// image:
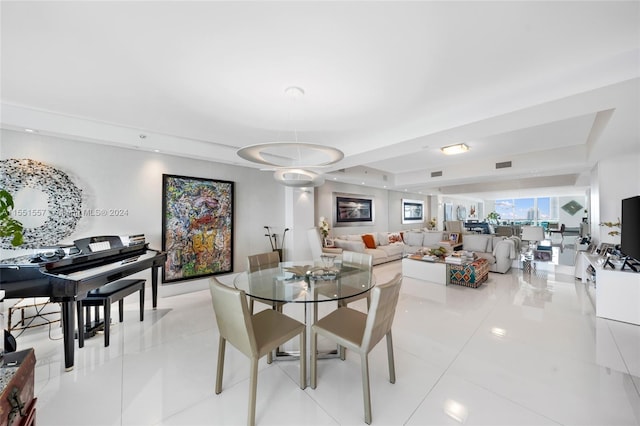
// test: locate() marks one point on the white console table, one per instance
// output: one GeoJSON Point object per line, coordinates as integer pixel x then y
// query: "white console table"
{"type": "Point", "coordinates": [617, 292]}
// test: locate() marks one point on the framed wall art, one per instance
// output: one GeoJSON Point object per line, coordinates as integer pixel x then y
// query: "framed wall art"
{"type": "Point", "coordinates": [448, 211]}
{"type": "Point", "coordinates": [412, 211]}
{"type": "Point", "coordinates": [353, 210]}
{"type": "Point", "coordinates": [197, 227]}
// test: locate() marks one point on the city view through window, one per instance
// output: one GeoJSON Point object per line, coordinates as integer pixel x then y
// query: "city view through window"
{"type": "Point", "coordinates": [532, 211]}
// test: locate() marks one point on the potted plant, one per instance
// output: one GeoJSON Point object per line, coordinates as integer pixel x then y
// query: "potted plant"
{"type": "Point", "coordinates": [9, 227]}
{"type": "Point", "coordinates": [493, 217]}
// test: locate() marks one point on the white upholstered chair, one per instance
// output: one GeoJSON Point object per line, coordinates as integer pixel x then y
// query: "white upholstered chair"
{"type": "Point", "coordinates": [263, 260]}
{"type": "Point", "coordinates": [253, 335]}
{"type": "Point", "coordinates": [259, 261]}
{"type": "Point", "coordinates": [360, 261]}
{"type": "Point", "coordinates": [360, 333]}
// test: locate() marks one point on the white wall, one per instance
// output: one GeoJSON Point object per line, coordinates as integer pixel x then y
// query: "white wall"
{"type": "Point", "coordinates": [613, 180]}
{"type": "Point", "coordinates": [117, 178]}
{"type": "Point", "coordinates": [387, 208]}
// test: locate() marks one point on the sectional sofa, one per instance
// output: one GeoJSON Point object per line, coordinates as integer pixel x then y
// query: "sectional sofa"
{"type": "Point", "coordinates": [388, 246]}
{"type": "Point", "coordinates": [499, 251]}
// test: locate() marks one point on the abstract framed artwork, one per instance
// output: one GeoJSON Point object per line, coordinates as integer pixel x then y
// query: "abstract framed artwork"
{"type": "Point", "coordinates": [353, 210]}
{"type": "Point", "coordinates": [412, 211]}
{"type": "Point", "coordinates": [197, 227]}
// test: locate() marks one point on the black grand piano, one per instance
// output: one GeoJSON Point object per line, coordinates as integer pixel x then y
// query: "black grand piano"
{"type": "Point", "coordinates": [67, 275]}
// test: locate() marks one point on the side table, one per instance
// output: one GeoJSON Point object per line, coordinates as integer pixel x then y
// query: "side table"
{"type": "Point", "coordinates": [17, 402]}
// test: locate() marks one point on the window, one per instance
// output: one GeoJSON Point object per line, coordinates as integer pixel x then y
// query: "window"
{"type": "Point", "coordinates": [527, 211]}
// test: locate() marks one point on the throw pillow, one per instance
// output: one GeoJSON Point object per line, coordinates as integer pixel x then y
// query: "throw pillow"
{"type": "Point", "coordinates": [357, 246]}
{"type": "Point", "coordinates": [395, 237]}
{"type": "Point", "coordinates": [369, 241]}
{"type": "Point", "coordinates": [413, 239]}
{"type": "Point", "coordinates": [475, 243]}
{"type": "Point", "coordinates": [432, 239]}
{"type": "Point", "coordinates": [383, 238]}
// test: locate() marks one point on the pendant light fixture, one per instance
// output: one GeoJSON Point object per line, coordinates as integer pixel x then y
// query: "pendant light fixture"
{"type": "Point", "coordinates": [291, 160]}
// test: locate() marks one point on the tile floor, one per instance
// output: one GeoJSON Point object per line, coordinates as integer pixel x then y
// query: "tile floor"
{"type": "Point", "coordinates": [517, 351]}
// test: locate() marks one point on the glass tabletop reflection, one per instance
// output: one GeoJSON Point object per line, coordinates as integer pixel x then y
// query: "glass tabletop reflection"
{"type": "Point", "coordinates": [305, 282]}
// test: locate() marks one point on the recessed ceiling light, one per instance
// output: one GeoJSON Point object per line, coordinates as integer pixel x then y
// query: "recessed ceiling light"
{"type": "Point", "coordinates": [454, 149]}
{"type": "Point", "coordinates": [30, 131]}
{"type": "Point", "coordinates": [156, 150]}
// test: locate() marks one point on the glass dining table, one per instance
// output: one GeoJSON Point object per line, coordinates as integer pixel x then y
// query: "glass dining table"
{"type": "Point", "coordinates": [307, 283]}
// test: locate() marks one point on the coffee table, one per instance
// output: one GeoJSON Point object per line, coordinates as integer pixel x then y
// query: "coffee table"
{"type": "Point", "coordinates": [469, 274]}
{"type": "Point", "coordinates": [432, 271]}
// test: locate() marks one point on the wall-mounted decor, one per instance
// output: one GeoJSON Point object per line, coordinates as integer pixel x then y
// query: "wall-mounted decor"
{"type": "Point", "coordinates": [461, 212]}
{"type": "Point", "coordinates": [63, 206]}
{"type": "Point", "coordinates": [572, 207]}
{"type": "Point", "coordinates": [197, 227]}
{"type": "Point", "coordinates": [352, 210]}
{"type": "Point", "coordinates": [412, 211]}
{"type": "Point", "coordinates": [448, 211]}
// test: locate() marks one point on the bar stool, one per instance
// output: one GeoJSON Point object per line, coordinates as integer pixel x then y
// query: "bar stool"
{"type": "Point", "coordinates": [105, 296]}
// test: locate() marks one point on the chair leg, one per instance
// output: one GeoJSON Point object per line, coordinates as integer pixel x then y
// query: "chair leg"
{"type": "Point", "coordinates": [80, 314]}
{"type": "Point", "coordinates": [366, 394]}
{"type": "Point", "coordinates": [253, 387]}
{"type": "Point", "coordinates": [303, 359]}
{"type": "Point", "coordinates": [392, 364]}
{"type": "Point", "coordinates": [121, 310]}
{"type": "Point", "coordinates": [107, 320]}
{"type": "Point", "coordinates": [142, 303]}
{"type": "Point", "coordinates": [219, 371]}
{"type": "Point", "coordinates": [314, 359]}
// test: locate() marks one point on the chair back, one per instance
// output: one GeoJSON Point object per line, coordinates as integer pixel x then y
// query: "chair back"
{"type": "Point", "coordinates": [315, 243]}
{"type": "Point", "coordinates": [454, 226]}
{"type": "Point", "coordinates": [263, 261]}
{"type": "Point", "coordinates": [384, 299]}
{"type": "Point", "coordinates": [357, 260]}
{"type": "Point", "coordinates": [233, 317]}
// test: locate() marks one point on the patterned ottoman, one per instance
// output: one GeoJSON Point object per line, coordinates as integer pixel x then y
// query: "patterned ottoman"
{"type": "Point", "coordinates": [470, 275]}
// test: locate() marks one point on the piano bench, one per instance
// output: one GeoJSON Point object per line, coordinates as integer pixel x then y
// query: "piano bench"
{"type": "Point", "coordinates": [105, 296]}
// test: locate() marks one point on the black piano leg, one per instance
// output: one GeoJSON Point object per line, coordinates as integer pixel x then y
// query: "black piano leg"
{"type": "Point", "coordinates": [154, 286]}
{"type": "Point", "coordinates": [68, 324]}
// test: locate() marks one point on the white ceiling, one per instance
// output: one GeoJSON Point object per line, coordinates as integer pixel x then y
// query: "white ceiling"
{"type": "Point", "coordinates": [550, 86]}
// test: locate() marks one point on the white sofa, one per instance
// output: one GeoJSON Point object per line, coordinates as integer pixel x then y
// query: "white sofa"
{"type": "Point", "coordinates": [389, 246]}
{"type": "Point", "coordinates": [415, 241]}
{"type": "Point", "coordinates": [498, 250]}
{"type": "Point", "coordinates": [380, 247]}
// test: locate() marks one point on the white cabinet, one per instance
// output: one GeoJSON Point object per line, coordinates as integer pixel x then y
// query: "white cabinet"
{"type": "Point", "coordinates": [617, 292]}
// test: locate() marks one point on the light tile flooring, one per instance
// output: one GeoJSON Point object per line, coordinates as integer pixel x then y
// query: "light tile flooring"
{"type": "Point", "coordinates": [517, 351]}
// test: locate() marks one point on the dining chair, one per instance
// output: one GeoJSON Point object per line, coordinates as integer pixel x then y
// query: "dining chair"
{"type": "Point", "coordinates": [359, 261]}
{"type": "Point", "coordinates": [557, 231]}
{"type": "Point", "coordinates": [354, 260]}
{"type": "Point", "coordinates": [255, 262]}
{"type": "Point", "coordinates": [361, 332]}
{"type": "Point", "coordinates": [253, 335]}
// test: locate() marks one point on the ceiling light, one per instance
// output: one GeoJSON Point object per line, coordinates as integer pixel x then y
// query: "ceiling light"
{"type": "Point", "coordinates": [291, 154]}
{"type": "Point", "coordinates": [291, 160]}
{"type": "Point", "coordinates": [454, 149]}
{"type": "Point", "coordinates": [298, 177]}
